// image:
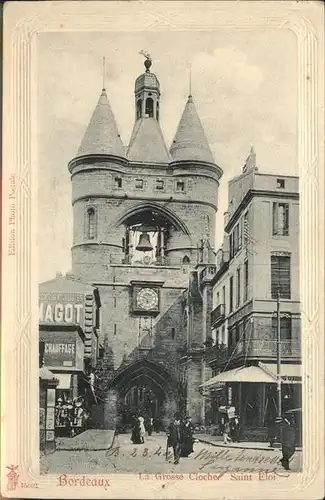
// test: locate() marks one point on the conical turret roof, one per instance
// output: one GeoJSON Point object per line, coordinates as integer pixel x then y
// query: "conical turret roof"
{"type": "Point", "coordinates": [147, 143]}
{"type": "Point", "coordinates": [190, 142]}
{"type": "Point", "coordinates": [101, 136]}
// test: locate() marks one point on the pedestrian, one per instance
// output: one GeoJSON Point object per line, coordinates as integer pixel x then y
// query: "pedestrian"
{"type": "Point", "coordinates": [271, 429]}
{"type": "Point", "coordinates": [288, 441]}
{"type": "Point", "coordinates": [135, 436]}
{"type": "Point", "coordinates": [186, 434]}
{"type": "Point", "coordinates": [174, 437]}
{"type": "Point", "coordinates": [226, 432]}
{"type": "Point", "coordinates": [142, 428]}
{"type": "Point", "coordinates": [235, 429]}
{"type": "Point", "coordinates": [149, 426]}
{"type": "Point", "coordinates": [222, 425]}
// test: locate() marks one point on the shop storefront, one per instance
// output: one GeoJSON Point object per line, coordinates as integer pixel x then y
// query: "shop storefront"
{"type": "Point", "coordinates": [63, 354]}
{"type": "Point", "coordinates": [252, 391]}
{"type": "Point", "coordinates": [68, 339]}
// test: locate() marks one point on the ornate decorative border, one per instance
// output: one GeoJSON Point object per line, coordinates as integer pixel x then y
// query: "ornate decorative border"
{"type": "Point", "coordinates": [20, 326]}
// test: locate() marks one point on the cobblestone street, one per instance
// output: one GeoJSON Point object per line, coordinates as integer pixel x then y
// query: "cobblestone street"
{"type": "Point", "coordinates": [149, 458]}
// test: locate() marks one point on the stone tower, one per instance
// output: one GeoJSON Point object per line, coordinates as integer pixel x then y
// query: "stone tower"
{"type": "Point", "coordinates": [144, 218]}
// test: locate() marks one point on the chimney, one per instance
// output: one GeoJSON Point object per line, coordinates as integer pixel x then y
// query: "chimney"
{"type": "Point", "coordinates": [250, 161]}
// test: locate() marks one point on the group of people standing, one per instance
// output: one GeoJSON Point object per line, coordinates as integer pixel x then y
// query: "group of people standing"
{"type": "Point", "coordinates": [139, 428]}
{"type": "Point", "coordinates": [180, 436]}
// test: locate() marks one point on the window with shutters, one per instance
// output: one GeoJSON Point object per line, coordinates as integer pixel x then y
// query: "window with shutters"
{"type": "Point", "coordinates": [280, 276]}
{"type": "Point", "coordinates": [245, 280]}
{"type": "Point", "coordinates": [246, 229]}
{"type": "Point", "coordinates": [285, 327]}
{"type": "Point", "coordinates": [238, 287]}
{"type": "Point", "coordinates": [280, 219]}
{"type": "Point", "coordinates": [231, 294]}
{"type": "Point", "coordinates": [231, 247]}
{"type": "Point", "coordinates": [91, 224]}
{"type": "Point", "coordinates": [237, 333]}
{"type": "Point", "coordinates": [236, 238]}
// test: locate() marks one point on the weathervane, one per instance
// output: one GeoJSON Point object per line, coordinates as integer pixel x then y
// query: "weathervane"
{"type": "Point", "coordinates": [148, 61]}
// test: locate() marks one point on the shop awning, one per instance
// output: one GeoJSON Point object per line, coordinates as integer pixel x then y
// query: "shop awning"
{"type": "Point", "coordinates": [290, 373]}
{"type": "Point", "coordinates": [263, 373]}
{"type": "Point", "coordinates": [241, 374]}
{"type": "Point", "coordinates": [64, 380]}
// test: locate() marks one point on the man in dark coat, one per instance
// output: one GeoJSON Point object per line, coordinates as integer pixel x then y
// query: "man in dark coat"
{"type": "Point", "coordinates": [271, 429]}
{"type": "Point", "coordinates": [288, 440]}
{"type": "Point", "coordinates": [187, 440]}
{"type": "Point", "coordinates": [174, 437]}
{"type": "Point", "coordinates": [235, 429]}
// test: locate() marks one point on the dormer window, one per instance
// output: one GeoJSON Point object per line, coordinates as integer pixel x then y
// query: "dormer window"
{"type": "Point", "coordinates": [180, 186]}
{"type": "Point", "coordinates": [118, 182]}
{"type": "Point", "coordinates": [159, 185]}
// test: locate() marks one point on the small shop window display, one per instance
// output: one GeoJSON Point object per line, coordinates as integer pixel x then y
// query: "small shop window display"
{"type": "Point", "coordinates": [70, 416]}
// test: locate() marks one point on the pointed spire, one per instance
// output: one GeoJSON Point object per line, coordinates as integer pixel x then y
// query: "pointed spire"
{"type": "Point", "coordinates": [101, 136]}
{"type": "Point", "coordinates": [147, 143]}
{"type": "Point", "coordinates": [190, 142]}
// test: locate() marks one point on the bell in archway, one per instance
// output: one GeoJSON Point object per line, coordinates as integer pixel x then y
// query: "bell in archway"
{"type": "Point", "coordinates": [144, 244]}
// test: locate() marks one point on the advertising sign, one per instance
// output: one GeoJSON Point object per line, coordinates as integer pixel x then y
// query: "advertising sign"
{"type": "Point", "coordinates": [50, 418]}
{"type": "Point", "coordinates": [62, 308]}
{"type": "Point", "coordinates": [62, 349]}
{"type": "Point", "coordinates": [59, 353]}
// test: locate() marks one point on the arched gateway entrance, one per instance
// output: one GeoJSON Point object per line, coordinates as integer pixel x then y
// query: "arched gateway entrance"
{"type": "Point", "coordinates": [142, 386]}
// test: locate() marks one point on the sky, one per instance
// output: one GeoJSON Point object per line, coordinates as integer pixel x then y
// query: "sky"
{"type": "Point", "coordinates": [244, 85]}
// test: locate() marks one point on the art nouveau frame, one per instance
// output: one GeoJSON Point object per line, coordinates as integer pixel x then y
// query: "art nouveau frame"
{"type": "Point", "coordinates": [23, 22]}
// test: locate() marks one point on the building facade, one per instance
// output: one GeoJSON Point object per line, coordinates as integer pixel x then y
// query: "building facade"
{"type": "Point", "coordinates": [259, 259]}
{"type": "Point", "coordinates": [144, 217]}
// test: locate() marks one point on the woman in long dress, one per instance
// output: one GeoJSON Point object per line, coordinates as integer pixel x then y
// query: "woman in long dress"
{"type": "Point", "coordinates": [142, 429]}
{"type": "Point", "coordinates": [135, 437]}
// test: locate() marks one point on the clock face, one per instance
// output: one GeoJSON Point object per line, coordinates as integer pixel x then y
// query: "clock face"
{"type": "Point", "coordinates": [147, 298]}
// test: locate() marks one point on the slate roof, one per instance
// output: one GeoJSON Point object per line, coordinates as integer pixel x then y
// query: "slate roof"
{"type": "Point", "coordinates": [190, 142]}
{"type": "Point", "coordinates": [147, 143]}
{"type": "Point", "coordinates": [101, 136]}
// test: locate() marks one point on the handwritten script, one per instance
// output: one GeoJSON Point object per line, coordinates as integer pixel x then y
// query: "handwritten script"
{"type": "Point", "coordinates": [206, 458]}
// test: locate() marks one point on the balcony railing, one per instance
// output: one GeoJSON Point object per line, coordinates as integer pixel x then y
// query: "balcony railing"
{"type": "Point", "coordinates": [254, 348]}
{"type": "Point", "coordinates": [217, 314]}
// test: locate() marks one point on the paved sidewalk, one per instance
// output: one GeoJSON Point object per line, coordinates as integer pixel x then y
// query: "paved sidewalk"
{"type": "Point", "coordinates": [250, 445]}
{"type": "Point", "coordinates": [91, 439]}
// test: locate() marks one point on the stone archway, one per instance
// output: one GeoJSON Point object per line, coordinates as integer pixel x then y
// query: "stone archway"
{"type": "Point", "coordinates": [146, 375]}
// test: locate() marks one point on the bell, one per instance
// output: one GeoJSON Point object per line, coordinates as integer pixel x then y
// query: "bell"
{"type": "Point", "coordinates": [144, 244]}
